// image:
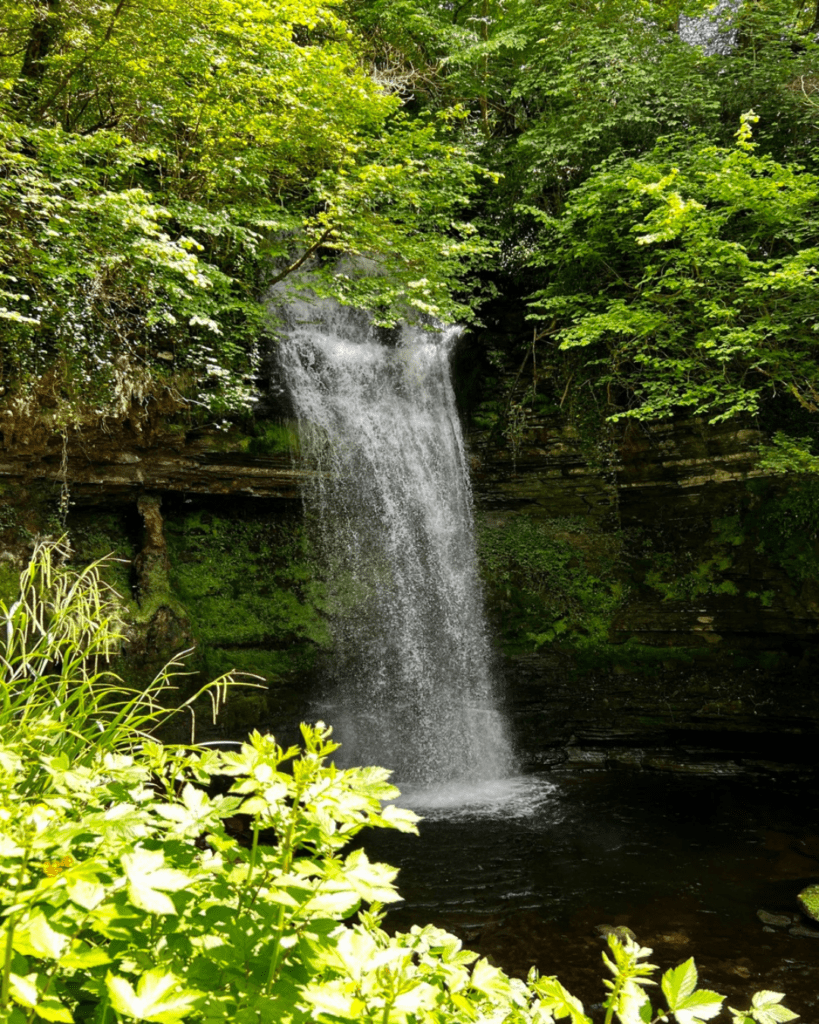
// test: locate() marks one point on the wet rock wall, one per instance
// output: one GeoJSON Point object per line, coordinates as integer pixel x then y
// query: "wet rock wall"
{"type": "Point", "coordinates": [669, 625]}
{"type": "Point", "coordinates": [708, 658]}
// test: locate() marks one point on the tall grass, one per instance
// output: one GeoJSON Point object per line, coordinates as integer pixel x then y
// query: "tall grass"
{"type": "Point", "coordinates": [57, 640]}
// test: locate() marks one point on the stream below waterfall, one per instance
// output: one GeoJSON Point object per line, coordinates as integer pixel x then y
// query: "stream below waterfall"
{"type": "Point", "coordinates": [685, 862]}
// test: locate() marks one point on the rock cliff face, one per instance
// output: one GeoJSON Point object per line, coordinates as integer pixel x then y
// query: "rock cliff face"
{"type": "Point", "coordinates": [709, 654]}
{"type": "Point", "coordinates": [206, 526]}
{"type": "Point", "coordinates": [116, 463]}
{"type": "Point", "coordinates": [654, 595]}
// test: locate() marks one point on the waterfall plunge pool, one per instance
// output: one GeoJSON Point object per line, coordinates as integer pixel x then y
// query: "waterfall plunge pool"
{"type": "Point", "coordinates": [526, 873]}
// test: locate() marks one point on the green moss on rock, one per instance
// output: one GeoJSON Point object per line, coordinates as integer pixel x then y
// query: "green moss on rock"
{"type": "Point", "coordinates": [809, 901]}
{"type": "Point", "coordinates": [548, 581]}
{"type": "Point", "coordinates": [248, 584]}
{"type": "Point", "coordinates": [271, 438]}
{"type": "Point", "coordinates": [238, 585]}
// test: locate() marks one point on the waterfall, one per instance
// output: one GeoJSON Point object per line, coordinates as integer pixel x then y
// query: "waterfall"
{"type": "Point", "coordinates": [390, 505]}
{"type": "Point", "coordinates": [713, 31]}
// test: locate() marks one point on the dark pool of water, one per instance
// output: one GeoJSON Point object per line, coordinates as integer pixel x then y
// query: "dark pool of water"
{"type": "Point", "coordinates": [526, 876]}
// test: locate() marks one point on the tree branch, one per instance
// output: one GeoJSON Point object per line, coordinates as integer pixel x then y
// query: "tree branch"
{"type": "Point", "coordinates": [303, 258]}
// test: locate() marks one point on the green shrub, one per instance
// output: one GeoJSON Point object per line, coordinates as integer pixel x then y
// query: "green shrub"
{"type": "Point", "coordinates": [788, 526]}
{"type": "Point", "coordinates": [127, 899]}
{"type": "Point", "coordinates": [678, 577]}
{"type": "Point", "coordinates": [57, 695]}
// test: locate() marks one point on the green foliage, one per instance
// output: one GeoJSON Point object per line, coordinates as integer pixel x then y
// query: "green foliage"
{"type": "Point", "coordinates": [772, 69]}
{"type": "Point", "coordinates": [704, 578]}
{"type": "Point", "coordinates": [106, 540]}
{"type": "Point", "coordinates": [9, 581]}
{"type": "Point", "coordinates": [166, 178]}
{"type": "Point", "coordinates": [244, 585]}
{"type": "Point", "coordinates": [796, 512]}
{"type": "Point", "coordinates": [786, 454]}
{"type": "Point", "coordinates": [686, 1003]}
{"type": "Point", "coordinates": [541, 582]}
{"type": "Point", "coordinates": [593, 83]}
{"type": "Point", "coordinates": [766, 1008]}
{"type": "Point", "coordinates": [57, 695]}
{"type": "Point", "coordinates": [154, 183]}
{"type": "Point", "coordinates": [117, 905]}
{"type": "Point", "coordinates": [787, 526]}
{"type": "Point", "coordinates": [688, 275]}
{"type": "Point", "coordinates": [8, 513]}
{"type": "Point", "coordinates": [781, 523]}
{"type": "Point", "coordinates": [127, 893]}
{"type": "Point", "coordinates": [114, 292]}
{"type": "Point", "coordinates": [809, 901]}
{"type": "Point", "coordinates": [671, 257]}
{"type": "Point", "coordinates": [677, 577]}
{"type": "Point", "coordinates": [552, 88]}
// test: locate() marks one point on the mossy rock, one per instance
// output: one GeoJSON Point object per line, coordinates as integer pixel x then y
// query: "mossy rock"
{"type": "Point", "coordinates": [9, 580]}
{"type": "Point", "coordinates": [272, 439]}
{"type": "Point", "coordinates": [809, 901]}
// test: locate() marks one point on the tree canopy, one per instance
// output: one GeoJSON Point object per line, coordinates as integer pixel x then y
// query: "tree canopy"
{"type": "Point", "coordinates": [655, 218]}
{"type": "Point", "coordinates": [162, 165]}
{"type": "Point", "coordinates": [644, 195]}
{"type": "Point", "coordinates": [689, 275]}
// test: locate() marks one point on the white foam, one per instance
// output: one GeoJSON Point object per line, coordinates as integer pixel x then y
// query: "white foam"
{"type": "Point", "coordinates": [517, 797]}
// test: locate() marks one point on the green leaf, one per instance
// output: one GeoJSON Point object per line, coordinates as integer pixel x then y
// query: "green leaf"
{"type": "Point", "coordinates": [679, 983]}
{"type": "Point", "coordinates": [401, 819]}
{"type": "Point", "coordinates": [489, 980]}
{"type": "Point", "coordinates": [36, 937]}
{"type": "Point", "coordinates": [28, 991]}
{"type": "Point", "coordinates": [149, 879]}
{"type": "Point", "coordinates": [766, 1008]}
{"type": "Point", "coordinates": [561, 1003]}
{"type": "Point", "coordinates": [334, 997]}
{"type": "Point", "coordinates": [86, 893]}
{"type": "Point", "coordinates": [335, 902]}
{"type": "Point", "coordinates": [368, 879]}
{"type": "Point", "coordinates": [82, 957]}
{"type": "Point", "coordinates": [699, 1006]}
{"type": "Point", "coordinates": [160, 997]}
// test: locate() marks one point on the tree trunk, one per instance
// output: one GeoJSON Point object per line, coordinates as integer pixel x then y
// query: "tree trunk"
{"type": "Point", "coordinates": [43, 34]}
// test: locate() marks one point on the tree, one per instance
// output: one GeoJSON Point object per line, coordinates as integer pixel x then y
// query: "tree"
{"type": "Point", "coordinates": [673, 264]}
{"type": "Point", "coordinates": [688, 276]}
{"type": "Point", "coordinates": [161, 166]}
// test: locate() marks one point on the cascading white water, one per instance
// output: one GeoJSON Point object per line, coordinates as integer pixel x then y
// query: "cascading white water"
{"type": "Point", "coordinates": [713, 31]}
{"type": "Point", "coordinates": [391, 506]}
